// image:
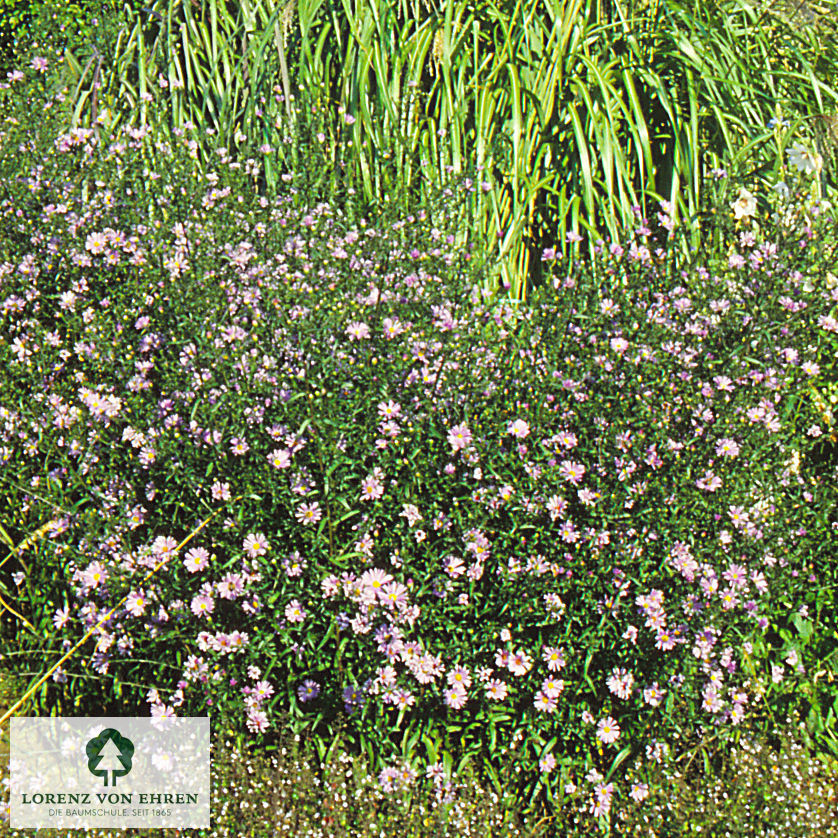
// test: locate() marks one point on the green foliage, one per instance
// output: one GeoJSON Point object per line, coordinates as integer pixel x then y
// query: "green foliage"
{"type": "Point", "coordinates": [774, 787]}
{"type": "Point", "coordinates": [771, 787]}
{"type": "Point", "coordinates": [572, 113]}
{"type": "Point", "coordinates": [25, 22]}
{"type": "Point", "coordinates": [335, 387]}
{"type": "Point", "coordinates": [14, 19]}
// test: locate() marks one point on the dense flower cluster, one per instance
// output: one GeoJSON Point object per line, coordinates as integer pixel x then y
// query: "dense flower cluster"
{"type": "Point", "coordinates": [558, 521]}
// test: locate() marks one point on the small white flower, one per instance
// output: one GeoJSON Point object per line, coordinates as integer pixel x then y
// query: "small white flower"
{"type": "Point", "coordinates": [745, 205]}
{"type": "Point", "coordinates": [804, 160]}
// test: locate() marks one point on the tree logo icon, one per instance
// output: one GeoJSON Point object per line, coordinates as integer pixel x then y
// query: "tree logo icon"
{"type": "Point", "coordinates": [110, 751]}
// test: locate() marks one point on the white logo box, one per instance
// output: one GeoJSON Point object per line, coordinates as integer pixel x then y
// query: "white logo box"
{"type": "Point", "coordinates": [109, 771]}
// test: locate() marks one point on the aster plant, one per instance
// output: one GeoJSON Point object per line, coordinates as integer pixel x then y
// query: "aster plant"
{"type": "Point", "coordinates": [267, 460]}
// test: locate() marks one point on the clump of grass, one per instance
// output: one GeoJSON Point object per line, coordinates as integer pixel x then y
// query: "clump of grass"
{"type": "Point", "coordinates": [293, 791]}
{"type": "Point", "coordinates": [775, 789]}
{"type": "Point", "coordinates": [755, 787]}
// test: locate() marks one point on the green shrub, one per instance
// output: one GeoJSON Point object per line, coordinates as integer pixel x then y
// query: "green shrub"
{"type": "Point", "coordinates": [288, 462]}
{"type": "Point", "coordinates": [14, 18]}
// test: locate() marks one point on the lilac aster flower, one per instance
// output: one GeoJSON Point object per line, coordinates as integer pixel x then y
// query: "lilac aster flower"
{"type": "Point", "coordinates": [308, 690]}
{"type": "Point", "coordinates": [353, 698]}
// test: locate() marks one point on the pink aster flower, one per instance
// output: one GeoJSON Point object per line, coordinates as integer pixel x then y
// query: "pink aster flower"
{"type": "Point", "coordinates": [96, 574]}
{"type": "Point", "coordinates": [375, 579]}
{"type": "Point", "coordinates": [608, 730]}
{"type": "Point", "coordinates": [294, 612]}
{"type": "Point", "coordinates": [572, 472]}
{"type": "Point", "coordinates": [664, 640]}
{"type": "Point", "coordinates": [280, 458]}
{"type": "Point", "coordinates": [828, 322]}
{"type": "Point", "coordinates": [653, 695]}
{"type": "Point", "coordinates": [759, 580]}
{"type": "Point", "coordinates": [220, 491]}
{"type": "Point", "coordinates": [196, 559]}
{"type": "Point", "coordinates": [371, 488]}
{"type": "Point", "coordinates": [709, 483]}
{"type": "Point", "coordinates": [620, 683]}
{"type": "Point", "coordinates": [238, 640]}
{"type": "Point", "coordinates": [222, 643]}
{"type": "Point", "coordinates": [552, 687]}
{"type": "Point", "coordinates": [554, 658]}
{"type": "Point", "coordinates": [545, 703]}
{"type": "Point", "coordinates": [231, 586]}
{"type": "Point", "coordinates": [391, 328]}
{"type": "Point", "coordinates": [309, 513]}
{"type": "Point", "coordinates": [136, 603]}
{"type": "Point", "coordinates": [412, 513]}
{"type": "Point", "coordinates": [736, 575]}
{"type": "Point", "coordinates": [727, 448]}
{"type": "Point", "coordinates": [388, 779]}
{"type": "Point", "coordinates": [556, 507]}
{"type": "Point", "coordinates": [602, 799]}
{"type": "Point", "coordinates": [729, 599]}
{"type": "Point", "coordinates": [164, 547]}
{"type": "Point", "coordinates": [393, 595]}
{"type": "Point", "coordinates": [162, 711]}
{"type": "Point", "coordinates": [496, 690]}
{"type": "Point", "coordinates": [520, 663]}
{"type": "Point", "coordinates": [257, 721]}
{"type": "Point", "coordinates": [262, 690]}
{"type": "Point", "coordinates": [358, 331]}
{"type": "Point", "coordinates": [454, 566]}
{"type": "Point", "coordinates": [202, 605]}
{"type": "Point", "coordinates": [569, 533]}
{"type": "Point", "coordinates": [519, 428]}
{"type": "Point", "coordinates": [459, 675]}
{"type": "Point", "coordinates": [389, 410]}
{"type": "Point", "coordinates": [456, 697]}
{"type": "Point", "coordinates": [407, 775]}
{"type": "Point", "coordinates": [738, 516]}
{"type": "Point", "coordinates": [425, 668]}
{"type": "Point", "coordinates": [459, 437]}
{"type": "Point", "coordinates": [436, 773]}
{"type": "Point", "coordinates": [96, 242]}
{"type": "Point", "coordinates": [256, 545]}
{"type": "Point", "coordinates": [239, 447]}
{"type": "Point", "coordinates": [404, 699]}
